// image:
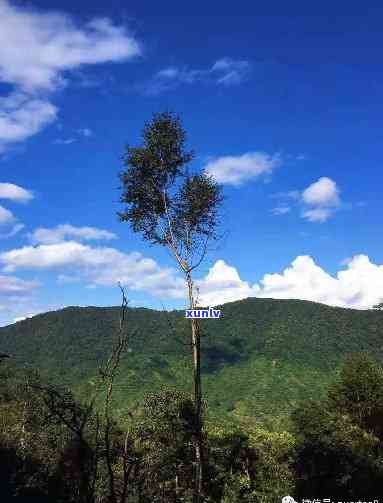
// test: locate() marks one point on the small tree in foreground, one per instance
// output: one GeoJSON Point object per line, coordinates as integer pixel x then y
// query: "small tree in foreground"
{"type": "Point", "coordinates": [171, 207]}
{"type": "Point", "coordinates": [359, 392]}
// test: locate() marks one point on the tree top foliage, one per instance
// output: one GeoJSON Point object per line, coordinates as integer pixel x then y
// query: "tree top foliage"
{"type": "Point", "coordinates": [164, 200]}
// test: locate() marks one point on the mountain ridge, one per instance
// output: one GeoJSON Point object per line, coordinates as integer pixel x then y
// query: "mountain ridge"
{"type": "Point", "coordinates": [258, 359]}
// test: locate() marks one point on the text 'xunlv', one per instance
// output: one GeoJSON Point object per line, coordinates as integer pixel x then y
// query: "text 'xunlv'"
{"type": "Point", "coordinates": [203, 313]}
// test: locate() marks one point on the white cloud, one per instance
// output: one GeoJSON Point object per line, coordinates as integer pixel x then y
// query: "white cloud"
{"type": "Point", "coordinates": [17, 300]}
{"type": "Point", "coordinates": [6, 216]}
{"type": "Point", "coordinates": [14, 192]}
{"type": "Point", "coordinates": [320, 200]}
{"type": "Point", "coordinates": [20, 308]}
{"type": "Point", "coordinates": [230, 71]}
{"type": "Point", "coordinates": [225, 71]}
{"type": "Point", "coordinates": [317, 214]}
{"type": "Point", "coordinates": [22, 116]}
{"type": "Point", "coordinates": [11, 284]}
{"type": "Point", "coordinates": [21, 318]}
{"type": "Point", "coordinates": [17, 194]}
{"type": "Point", "coordinates": [359, 285]}
{"type": "Point", "coordinates": [171, 77]}
{"type": "Point", "coordinates": [101, 265]}
{"type": "Point", "coordinates": [37, 49]}
{"type": "Point", "coordinates": [15, 229]}
{"type": "Point", "coordinates": [323, 192]}
{"type": "Point", "coordinates": [84, 132]}
{"type": "Point", "coordinates": [222, 284]}
{"type": "Point", "coordinates": [281, 210]}
{"type": "Point", "coordinates": [64, 231]}
{"type": "Point", "coordinates": [235, 170]}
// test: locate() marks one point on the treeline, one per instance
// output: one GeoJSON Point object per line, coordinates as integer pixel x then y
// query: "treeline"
{"type": "Point", "coordinates": [56, 449]}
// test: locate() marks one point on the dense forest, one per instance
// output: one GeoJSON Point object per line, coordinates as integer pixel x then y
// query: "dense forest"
{"type": "Point", "coordinates": [293, 405]}
{"type": "Point", "coordinates": [259, 359]}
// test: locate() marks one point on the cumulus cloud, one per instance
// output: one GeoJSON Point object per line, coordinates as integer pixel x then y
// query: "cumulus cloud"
{"type": "Point", "coordinates": [225, 72]}
{"type": "Point", "coordinates": [14, 193]}
{"type": "Point", "coordinates": [323, 192]}
{"type": "Point", "coordinates": [61, 232]}
{"type": "Point", "coordinates": [37, 49]}
{"type": "Point", "coordinates": [234, 170]}
{"type": "Point", "coordinates": [223, 284]}
{"type": "Point", "coordinates": [99, 265]}
{"type": "Point", "coordinates": [322, 199]}
{"type": "Point", "coordinates": [319, 201]}
{"type": "Point", "coordinates": [359, 285]}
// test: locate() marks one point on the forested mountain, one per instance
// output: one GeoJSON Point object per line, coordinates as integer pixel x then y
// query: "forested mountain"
{"type": "Point", "coordinates": [259, 359]}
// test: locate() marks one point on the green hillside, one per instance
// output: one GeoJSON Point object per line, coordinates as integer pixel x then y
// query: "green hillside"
{"type": "Point", "coordinates": [259, 359]}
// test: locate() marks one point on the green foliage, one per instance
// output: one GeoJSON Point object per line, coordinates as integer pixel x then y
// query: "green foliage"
{"type": "Point", "coordinates": [335, 457]}
{"type": "Point", "coordinates": [359, 392]}
{"type": "Point", "coordinates": [259, 360]}
{"type": "Point", "coordinates": [165, 202]}
{"type": "Point", "coordinates": [49, 446]}
{"type": "Point", "coordinates": [164, 429]}
{"type": "Point", "coordinates": [196, 208]}
{"type": "Point", "coordinates": [250, 467]}
{"type": "Point", "coordinates": [340, 450]}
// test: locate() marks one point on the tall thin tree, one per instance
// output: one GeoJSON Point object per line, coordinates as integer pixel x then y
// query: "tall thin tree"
{"type": "Point", "coordinates": [177, 209]}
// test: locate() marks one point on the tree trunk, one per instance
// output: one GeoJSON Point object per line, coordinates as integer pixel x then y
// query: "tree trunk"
{"type": "Point", "coordinates": [196, 355]}
{"type": "Point", "coordinates": [176, 486]}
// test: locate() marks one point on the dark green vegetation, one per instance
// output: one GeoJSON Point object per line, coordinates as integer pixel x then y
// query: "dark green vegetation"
{"type": "Point", "coordinates": [311, 373]}
{"type": "Point", "coordinates": [55, 448]}
{"type": "Point", "coordinates": [259, 359]}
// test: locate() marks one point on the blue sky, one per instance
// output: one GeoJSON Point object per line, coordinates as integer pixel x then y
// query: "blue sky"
{"type": "Point", "coordinates": [282, 104]}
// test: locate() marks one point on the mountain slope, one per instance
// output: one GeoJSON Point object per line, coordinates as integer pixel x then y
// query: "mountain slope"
{"type": "Point", "coordinates": [259, 358]}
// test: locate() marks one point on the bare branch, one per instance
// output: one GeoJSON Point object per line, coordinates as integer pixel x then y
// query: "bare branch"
{"type": "Point", "coordinates": [108, 374]}
{"type": "Point", "coordinates": [202, 256]}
